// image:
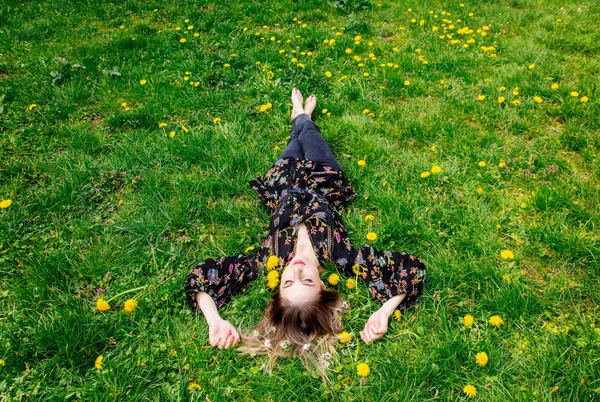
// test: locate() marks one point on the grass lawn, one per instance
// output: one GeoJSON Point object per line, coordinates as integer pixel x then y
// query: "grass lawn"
{"type": "Point", "coordinates": [128, 133]}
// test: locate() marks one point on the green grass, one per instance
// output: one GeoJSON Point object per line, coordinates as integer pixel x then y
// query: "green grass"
{"type": "Point", "coordinates": [75, 228]}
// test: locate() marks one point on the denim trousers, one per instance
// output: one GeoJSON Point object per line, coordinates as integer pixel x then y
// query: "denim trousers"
{"type": "Point", "coordinates": [307, 142]}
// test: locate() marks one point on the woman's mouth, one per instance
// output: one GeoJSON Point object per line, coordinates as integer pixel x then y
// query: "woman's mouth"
{"type": "Point", "coordinates": [299, 262]}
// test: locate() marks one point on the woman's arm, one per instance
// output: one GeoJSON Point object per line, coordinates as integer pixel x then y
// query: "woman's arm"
{"type": "Point", "coordinates": [221, 333]}
{"type": "Point", "coordinates": [377, 325]}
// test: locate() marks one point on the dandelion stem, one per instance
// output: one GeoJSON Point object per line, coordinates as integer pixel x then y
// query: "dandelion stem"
{"type": "Point", "coordinates": [127, 291]}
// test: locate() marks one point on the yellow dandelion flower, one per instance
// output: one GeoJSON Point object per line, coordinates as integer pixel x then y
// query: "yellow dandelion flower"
{"type": "Point", "coordinates": [248, 249]}
{"type": "Point", "coordinates": [584, 99]}
{"type": "Point", "coordinates": [273, 279]}
{"type": "Point", "coordinates": [272, 262]}
{"type": "Point", "coordinates": [216, 120]}
{"type": "Point", "coordinates": [162, 125]}
{"type": "Point", "coordinates": [538, 99]}
{"type": "Point", "coordinates": [432, 149]}
{"type": "Point", "coordinates": [172, 134]}
{"type": "Point", "coordinates": [348, 51]}
{"type": "Point", "coordinates": [5, 204]}
{"type": "Point", "coordinates": [366, 74]}
{"type": "Point", "coordinates": [263, 108]}
{"type": "Point", "coordinates": [324, 111]}
{"type": "Point", "coordinates": [194, 386]}
{"type": "Point", "coordinates": [334, 279]}
{"type": "Point", "coordinates": [479, 190]}
{"type": "Point", "coordinates": [502, 88]}
{"type": "Point", "coordinates": [516, 102]}
{"type": "Point", "coordinates": [363, 369]}
{"type": "Point", "coordinates": [99, 361]}
{"type": "Point", "coordinates": [226, 65]}
{"type": "Point", "coordinates": [371, 236]}
{"type": "Point", "coordinates": [482, 163]}
{"type": "Point", "coordinates": [350, 283]}
{"type": "Point", "coordinates": [344, 337]}
{"type": "Point", "coordinates": [470, 391]}
{"type": "Point", "coordinates": [496, 320]}
{"type": "Point", "coordinates": [506, 278]}
{"type": "Point", "coordinates": [196, 34]}
{"type": "Point", "coordinates": [507, 254]}
{"type": "Point", "coordinates": [2, 363]}
{"type": "Point", "coordinates": [361, 163]}
{"type": "Point", "coordinates": [481, 97]}
{"type": "Point", "coordinates": [436, 169]}
{"type": "Point", "coordinates": [501, 99]}
{"type": "Point", "coordinates": [183, 40]}
{"type": "Point", "coordinates": [531, 66]}
{"type": "Point", "coordinates": [406, 82]}
{"type": "Point", "coordinates": [143, 81]}
{"type": "Point", "coordinates": [185, 129]}
{"type": "Point", "coordinates": [102, 304]}
{"type": "Point", "coordinates": [366, 111]}
{"type": "Point", "coordinates": [32, 106]}
{"type": "Point", "coordinates": [502, 164]}
{"type": "Point", "coordinates": [369, 218]}
{"type": "Point", "coordinates": [554, 86]}
{"type": "Point", "coordinates": [425, 174]}
{"type": "Point", "coordinates": [468, 320]}
{"type": "Point", "coordinates": [481, 358]}
{"type": "Point", "coordinates": [130, 305]}
{"type": "Point", "coordinates": [575, 94]}
{"type": "Point", "coordinates": [356, 269]}
{"type": "Point", "coordinates": [397, 315]}
{"type": "Point", "coordinates": [384, 183]}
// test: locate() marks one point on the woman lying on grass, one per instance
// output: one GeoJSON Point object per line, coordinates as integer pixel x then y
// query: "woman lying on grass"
{"type": "Point", "coordinates": [304, 189]}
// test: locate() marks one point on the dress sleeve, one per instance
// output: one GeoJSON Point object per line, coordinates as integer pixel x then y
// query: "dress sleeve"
{"type": "Point", "coordinates": [387, 274]}
{"type": "Point", "coordinates": [222, 278]}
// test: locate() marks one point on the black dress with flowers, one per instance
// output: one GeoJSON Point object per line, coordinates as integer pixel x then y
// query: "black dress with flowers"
{"type": "Point", "coordinates": [301, 191]}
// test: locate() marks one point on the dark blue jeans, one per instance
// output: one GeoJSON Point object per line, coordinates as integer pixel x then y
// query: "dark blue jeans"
{"type": "Point", "coordinates": [307, 142]}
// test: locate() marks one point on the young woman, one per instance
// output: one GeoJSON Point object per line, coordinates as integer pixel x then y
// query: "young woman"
{"type": "Point", "coordinates": [304, 190]}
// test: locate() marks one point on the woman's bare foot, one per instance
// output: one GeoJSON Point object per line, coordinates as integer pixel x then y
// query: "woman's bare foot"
{"type": "Point", "coordinates": [310, 105]}
{"type": "Point", "coordinates": [296, 103]}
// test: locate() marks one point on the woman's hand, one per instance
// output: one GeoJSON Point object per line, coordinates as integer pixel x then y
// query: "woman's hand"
{"type": "Point", "coordinates": [222, 334]}
{"type": "Point", "coordinates": [376, 327]}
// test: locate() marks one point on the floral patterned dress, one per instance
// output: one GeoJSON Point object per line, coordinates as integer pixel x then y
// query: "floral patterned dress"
{"type": "Point", "coordinates": [301, 191]}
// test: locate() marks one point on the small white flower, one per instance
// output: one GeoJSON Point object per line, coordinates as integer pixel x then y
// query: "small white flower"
{"type": "Point", "coordinates": [326, 356]}
{"type": "Point", "coordinates": [345, 305]}
{"type": "Point", "coordinates": [267, 343]}
{"type": "Point", "coordinates": [255, 333]}
{"type": "Point", "coordinates": [273, 329]}
{"type": "Point", "coordinates": [306, 346]}
{"type": "Point", "coordinates": [284, 345]}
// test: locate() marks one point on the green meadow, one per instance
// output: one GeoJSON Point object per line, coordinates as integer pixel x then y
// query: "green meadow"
{"type": "Point", "coordinates": [128, 133]}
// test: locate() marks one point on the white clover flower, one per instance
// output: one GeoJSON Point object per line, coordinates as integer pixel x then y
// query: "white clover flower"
{"type": "Point", "coordinates": [306, 346]}
{"type": "Point", "coordinates": [267, 343]}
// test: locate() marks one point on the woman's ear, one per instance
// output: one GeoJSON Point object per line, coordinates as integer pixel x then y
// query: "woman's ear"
{"type": "Point", "coordinates": [323, 286]}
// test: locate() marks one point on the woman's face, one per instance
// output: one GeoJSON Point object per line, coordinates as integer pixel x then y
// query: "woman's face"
{"type": "Point", "coordinates": [300, 282]}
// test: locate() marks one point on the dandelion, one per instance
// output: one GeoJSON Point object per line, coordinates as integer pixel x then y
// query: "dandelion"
{"type": "Point", "coordinates": [194, 386]}
{"type": "Point", "coordinates": [5, 203]}
{"type": "Point", "coordinates": [216, 120]}
{"type": "Point", "coordinates": [502, 88]}
{"type": "Point", "coordinates": [584, 99]}
{"type": "Point", "coordinates": [397, 315]}
{"type": "Point", "coordinates": [481, 358]}
{"type": "Point", "coordinates": [406, 83]}
{"type": "Point", "coordinates": [2, 363]}
{"type": "Point", "coordinates": [554, 86]}
{"type": "Point", "coordinates": [344, 337]}
{"type": "Point", "coordinates": [162, 125]}
{"type": "Point", "coordinates": [99, 361]}
{"type": "Point", "coordinates": [185, 129]}
{"type": "Point", "coordinates": [538, 99]}
{"type": "Point", "coordinates": [226, 65]}
{"type": "Point", "coordinates": [501, 99]}
{"type": "Point", "coordinates": [348, 51]}
{"type": "Point", "coordinates": [356, 269]}
{"type": "Point", "coordinates": [369, 218]}
{"type": "Point", "coordinates": [482, 163]}
{"type": "Point", "coordinates": [468, 320]}
{"type": "Point", "coordinates": [32, 106]}
{"type": "Point", "coordinates": [502, 164]}
{"type": "Point", "coordinates": [172, 134]}
{"type": "Point", "coordinates": [366, 74]}
{"type": "Point", "coordinates": [365, 111]}
{"type": "Point", "coordinates": [496, 320]}
{"type": "Point", "coordinates": [273, 279]}
{"type": "Point", "coordinates": [507, 254]}
{"type": "Point", "coordinates": [324, 111]}
{"type": "Point", "coordinates": [481, 97]}
{"type": "Point", "coordinates": [516, 102]}
{"type": "Point", "coordinates": [102, 304]}
{"type": "Point", "coordinates": [371, 236]}
{"type": "Point", "coordinates": [574, 94]}
{"type": "Point", "coordinates": [130, 305]}
{"type": "Point", "coordinates": [470, 391]}
{"type": "Point", "coordinates": [479, 190]}
{"type": "Point", "coordinates": [531, 66]}
{"type": "Point", "coordinates": [183, 40]}
{"type": "Point", "coordinates": [334, 279]}
{"type": "Point", "coordinates": [272, 262]}
{"type": "Point", "coordinates": [248, 249]}
{"type": "Point", "coordinates": [506, 278]}
{"type": "Point", "coordinates": [361, 163]}
{"type": "Point", "coordinates": [425, 174]}
{"type": "Point", "coordinates": [143, 81]}
{"type": "Point", "coordinates": [350, 283]}
{"type": "Point", "coordinates": [363, 369]}
{"type": "Point", "coordinates": [436, 169]}
{"type": "Point", "coordinates": [196, 34]}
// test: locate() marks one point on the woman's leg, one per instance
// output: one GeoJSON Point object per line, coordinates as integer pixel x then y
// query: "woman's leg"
{"type": "Point", "coordinates": [313, 145]}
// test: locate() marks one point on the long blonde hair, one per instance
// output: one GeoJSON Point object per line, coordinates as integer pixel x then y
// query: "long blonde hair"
{"type": "Point", "coordinates": [308, 331]}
